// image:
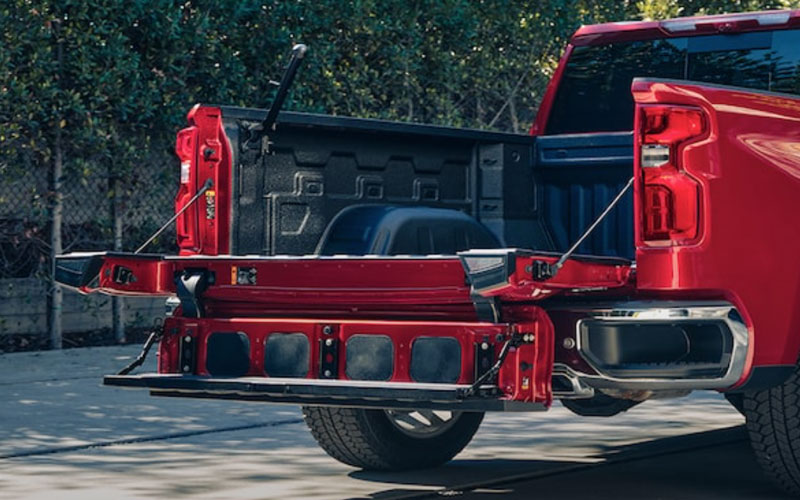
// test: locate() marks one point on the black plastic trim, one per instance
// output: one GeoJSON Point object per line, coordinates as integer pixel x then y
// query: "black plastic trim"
{"type": "Point", "coordinates": [765, 377]}
{"type": "Point", "coordinates": [228, 354]}
{"type": "Point", "coordinates": [661, 349]}
{"type": "Point", "coordinates": [77, 271]}
{"type": "Point", "coordinates": [435, 360]}
{"type": "Point", "coordinates": [189, 286]}
{"type": "Point", "coordinates": [287, 354]}
{"type": "Point", "coordinates": [313, 120]}
{"type": "Point", "coordinates": [323, 392]}
{"type": "Point", "coordinates": [369, 357]}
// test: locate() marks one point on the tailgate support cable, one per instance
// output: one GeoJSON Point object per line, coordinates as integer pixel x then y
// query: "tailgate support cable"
{"type": "Point", "coordinates": [208, 185]}
{"type": "Point", "coordinates": [515, 340]}
{"type": "Point", "coordinates": [543, 271]}
{"type": "Point", "coordinates": [155, 336]}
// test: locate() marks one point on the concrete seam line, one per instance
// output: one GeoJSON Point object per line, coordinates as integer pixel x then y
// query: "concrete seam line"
{"type": "Point", "coordinates": [143, 439]}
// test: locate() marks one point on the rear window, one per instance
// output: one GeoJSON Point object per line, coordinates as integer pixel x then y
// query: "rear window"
{"type": "Point", "coordinates": [595, 91]}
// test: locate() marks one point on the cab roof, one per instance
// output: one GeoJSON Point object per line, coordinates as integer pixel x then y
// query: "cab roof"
{"type": "Point", "coordinates": [597, 34]}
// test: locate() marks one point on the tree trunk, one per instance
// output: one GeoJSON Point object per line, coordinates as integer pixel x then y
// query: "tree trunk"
{"type": "Point", "coordinates": [55, 297]}
{"type": "Point", "coordinates": [117, 303]}
{"type": "Point", "coordinates": [409, 94]}
{"type": "Point", "coordinates": [512, 110]}
{"type": "Point", "coordinates": [56, 217]}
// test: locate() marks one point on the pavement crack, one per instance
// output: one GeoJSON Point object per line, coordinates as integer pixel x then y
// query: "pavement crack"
{"type": "Point", "coordinates": [147, 439]}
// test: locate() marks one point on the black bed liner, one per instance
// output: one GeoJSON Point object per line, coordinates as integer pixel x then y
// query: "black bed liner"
{"type": "Point", "coordinates": [532, 192]}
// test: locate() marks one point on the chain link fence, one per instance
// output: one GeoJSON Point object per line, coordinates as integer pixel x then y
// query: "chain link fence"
{"type": "Point", "coordinates": [144, 202]}
{"type": "Point", "coordinates": [88, 216]}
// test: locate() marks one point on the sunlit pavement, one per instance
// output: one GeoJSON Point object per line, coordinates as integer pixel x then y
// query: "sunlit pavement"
{"type": "Point", "coordinates": [62, 435]}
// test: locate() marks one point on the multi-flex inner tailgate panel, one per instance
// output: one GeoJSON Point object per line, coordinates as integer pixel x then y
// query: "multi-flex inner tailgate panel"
{"type": "Point", "coordinates": [357, 362]}
{"type": "Point", "coordinates": [346, 358]}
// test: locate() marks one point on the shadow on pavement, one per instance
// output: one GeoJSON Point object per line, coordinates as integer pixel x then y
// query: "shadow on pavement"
{"type": "Point", "coordinates": [709, 465]}
{"type": "Point", "coordinates": [67, 433]}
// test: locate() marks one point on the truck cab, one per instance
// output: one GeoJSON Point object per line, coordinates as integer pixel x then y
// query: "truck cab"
{"type": "Point", "coordinates": [398, 280]}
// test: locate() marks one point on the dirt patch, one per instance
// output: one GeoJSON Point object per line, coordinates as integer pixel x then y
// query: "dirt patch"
{"type": "Point", "coordinates": [93, 338]}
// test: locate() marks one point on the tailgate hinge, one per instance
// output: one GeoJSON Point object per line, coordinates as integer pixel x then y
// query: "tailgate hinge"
{"type": "Point", "coordinates": [189, 286]}
{"type": "Point", "coordinates": [487, 308]}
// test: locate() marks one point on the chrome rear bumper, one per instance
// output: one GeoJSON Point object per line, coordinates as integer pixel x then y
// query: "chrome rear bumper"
{"type": "Point", "coordinates": [660, 345]}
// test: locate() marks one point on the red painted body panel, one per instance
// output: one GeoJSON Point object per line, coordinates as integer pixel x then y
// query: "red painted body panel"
{"type": "Point", "coordinates": [205, 227]}
{"type": "Point", "coordinates": [748, 168]}
{"type": "Point", "coordinates": [186, 223]}
{"type": "Point", "coordinates": [598, 34]}
{"type": "Point", "coordinates": [151, 276]}
{"type": "Point", "coordinates": [513, 378]}
{"type": "Point", "coordinates": [540, 123]}
{"type": "Point", "coordinates": [351, 283]}
{"type": "Point", "coordinates": [525, 375]}
{"type": "Point", "coordinates": [575, 274]}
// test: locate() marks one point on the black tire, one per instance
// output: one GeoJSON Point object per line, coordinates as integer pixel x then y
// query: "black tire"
{"type": "Point", "coordinates": [369, 440]}
{"type": "Point", "coordinates": [773, 423]}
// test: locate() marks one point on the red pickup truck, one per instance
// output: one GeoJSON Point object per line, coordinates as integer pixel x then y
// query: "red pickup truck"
{"type": "Point", "coordinates": [400, 280]}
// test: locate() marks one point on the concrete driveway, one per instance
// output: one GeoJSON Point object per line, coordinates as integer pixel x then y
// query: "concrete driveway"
{"type": "Point", "coordinates": [62, 435]}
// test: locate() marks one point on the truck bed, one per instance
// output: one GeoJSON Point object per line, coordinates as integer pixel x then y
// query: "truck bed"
{"type": "Point", "coordinates": [532, 192]}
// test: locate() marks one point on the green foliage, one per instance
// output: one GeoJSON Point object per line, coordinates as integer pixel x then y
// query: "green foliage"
{"type": "Point", "coordinates": [130, 69]}
{"type": "Point", "coordinates": [114, 78]}
{"type": "Point", "coordinates": [659, 9]}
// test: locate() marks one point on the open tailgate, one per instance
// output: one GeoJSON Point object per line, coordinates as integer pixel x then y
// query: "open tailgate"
{"type": "Point", "coordinates": [442, 332]}
{"type": "Point", "coordinates": [507, 274]}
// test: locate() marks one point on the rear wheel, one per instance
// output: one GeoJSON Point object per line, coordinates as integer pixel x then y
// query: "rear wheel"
{"type": "Point", "coordinates": [773, 423]}
{"type": "Point", "coordinates": [391, 439]}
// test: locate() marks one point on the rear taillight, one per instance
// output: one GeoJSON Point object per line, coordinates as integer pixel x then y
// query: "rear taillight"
{"type": "Point", "coordinates": [670, 197]}
{"type": "Point", "coordinates": [185, 149]}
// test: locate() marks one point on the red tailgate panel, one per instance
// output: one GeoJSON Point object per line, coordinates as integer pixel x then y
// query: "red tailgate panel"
{"type": "Point", "coordinates": [188, 348]}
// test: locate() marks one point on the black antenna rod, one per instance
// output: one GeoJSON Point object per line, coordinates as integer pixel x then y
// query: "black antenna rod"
{"type": "Point", "coordinates": [298, 52]}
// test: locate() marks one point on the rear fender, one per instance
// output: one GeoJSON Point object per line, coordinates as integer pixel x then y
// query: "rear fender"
{"type": "Point", "coordinates": [747, 167]}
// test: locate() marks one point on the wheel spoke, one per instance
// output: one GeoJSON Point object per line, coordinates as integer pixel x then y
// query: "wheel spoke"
{"type": "Point", "coordinates": [408, 419]}
{"type": "Point", "coordinates": [432, 417]}
{"type": "Point", "coordinates": [422, 423]}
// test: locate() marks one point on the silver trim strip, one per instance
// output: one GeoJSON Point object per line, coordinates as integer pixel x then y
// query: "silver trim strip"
{"type": "Point", "coordinates": [579, 389]}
